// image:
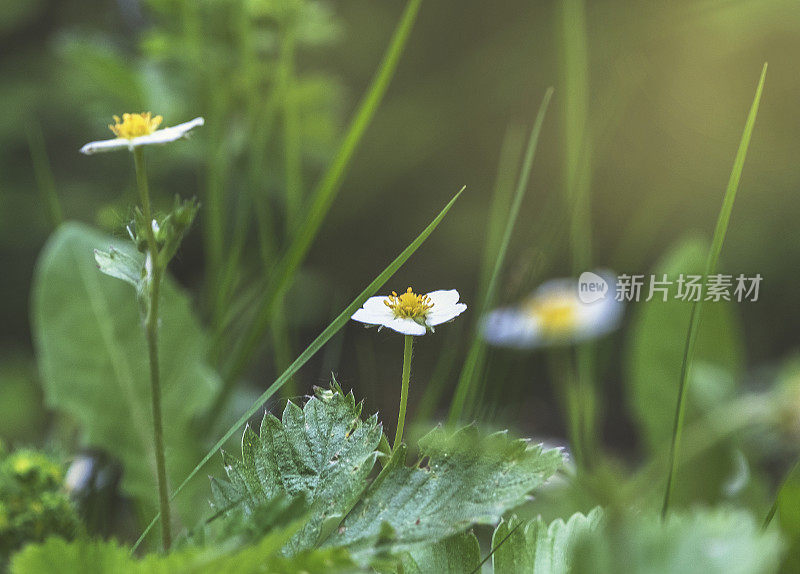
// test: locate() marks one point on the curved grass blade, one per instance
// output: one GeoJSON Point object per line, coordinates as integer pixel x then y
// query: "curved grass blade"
{"type": "Point", "coordinates": [312, 349]}
{"type": "Point", "coordinates": [477, 349]}
{"type": "Point", "coordinates": [711, 265]}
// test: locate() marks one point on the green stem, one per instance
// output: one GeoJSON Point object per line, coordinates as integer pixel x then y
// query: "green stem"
{"type": "Point", "coordinates": [401, 418]}
{"type": "Point", "coordinates": [151, 331]}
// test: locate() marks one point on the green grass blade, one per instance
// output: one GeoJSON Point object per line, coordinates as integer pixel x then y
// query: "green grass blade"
{"type": "Point", "coordinates": [793, 474]}
{"type": "Point", "coordinates": [508, 165]}
{"type": "Point", "coordinates": [477, 350]}
{"type": "Point", "coordinates": [323, 196]}
{"type": "Point", "coordinates": [711, 265]}
{"type": "Point", "coordinates": [312, 349]}
{"type": "Point", "coordinates": [577, 152]}
{"type": "Point", "coordinates": [44, 174]}
{"type": "Point", "coordinates": [577, 176]}
{"type": "Point", "coordinates": [511, 153]}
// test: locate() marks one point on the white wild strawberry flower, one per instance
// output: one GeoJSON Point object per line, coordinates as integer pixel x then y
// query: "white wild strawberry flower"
{"type": "Point", "coordinates": [552, 315]}
{"type": "Point", "coordinates": [410, 313]}
{"type": "Point", "coordinates": [135, 130]}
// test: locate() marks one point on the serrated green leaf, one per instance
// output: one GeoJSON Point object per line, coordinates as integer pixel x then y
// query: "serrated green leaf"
{"type": "Point", "coordinates": [470, 478]}
{"type": "Point", "coordinates": [323, 451]}
{"type": "Point", "coordinates": [657, 340]}
{"type": "Point", "coordinates": [719, 541]}
{"type": "Point", "coordinates": [94, 364]}
{"type": "Point", "coordinates": [537, 547]}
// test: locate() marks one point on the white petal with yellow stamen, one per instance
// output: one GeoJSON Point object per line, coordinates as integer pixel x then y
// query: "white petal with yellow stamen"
{"type": "Point", "coordinates": [410, 313]}
{"type": "Point", "coordinates": [552, 315]}
{"type": "Point", "coordinates": [140, 130]}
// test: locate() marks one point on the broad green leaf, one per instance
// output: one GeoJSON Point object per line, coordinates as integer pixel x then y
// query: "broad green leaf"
{"type": "Point", "coordinates": [323, 452]}
{"type": "Point", "coordinates": [537, 547]}
{"type": "Point", "coordinates": [720, 541]}
{"type": "Point", "coordinates": [656, 347]}
{"type": "Point", "coordinates": [459, 554]}
{"type": "Point", "coordinates": [94, 364]}
{"type": "Point", "coordinates": [469, 478]}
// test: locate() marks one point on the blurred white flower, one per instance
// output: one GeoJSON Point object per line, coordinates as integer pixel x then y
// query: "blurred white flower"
{"type": "Point", "coordinates": [410, 313]}
{"type": "Point", "coordinates": [136, 130]}
{"type": "Point", "coordinates": [552, 315]}
{"type": "Point", "coordinates": [79, 474]}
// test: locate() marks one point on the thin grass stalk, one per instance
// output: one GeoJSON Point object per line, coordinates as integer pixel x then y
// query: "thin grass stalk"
{"type": "Point", "coordinates": [476, 354]}
{"type": "Point", "coordinates": [43, 173]}
{"type": "Point", "coordinates": [577, 177]}
{"type": "Point", "coordinates": [720, 231]}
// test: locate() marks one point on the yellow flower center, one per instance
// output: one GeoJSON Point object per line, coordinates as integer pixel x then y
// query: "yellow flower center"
{"type": "Point", "coordinates": [135, 125]}
{"type": "Point", "coordinates": [557, 315]}
{"type": "Point", "coordinates": [409, 305]}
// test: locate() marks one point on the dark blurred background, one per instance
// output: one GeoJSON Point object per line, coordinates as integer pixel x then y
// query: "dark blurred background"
{"type": "Point", "coordinates": [670, 84]}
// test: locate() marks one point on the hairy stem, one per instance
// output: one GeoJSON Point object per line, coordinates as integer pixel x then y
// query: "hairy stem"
{"type": "Point", "coordinates": [155, 272]}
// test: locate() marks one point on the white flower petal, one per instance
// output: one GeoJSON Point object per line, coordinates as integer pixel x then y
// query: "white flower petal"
{"type": "Point", "coordinates": [163, 136]}
{"type": "Point", "coordinates": [105, 145]}
{"type": "Point", "coordinates": [406, 326]}
{"type": "Point", "coordinates": [443, 297]}
{"type": "Point", "coordinates": [444, 314]}
{"type": "Point", "coordinates": [376, 304]}
{"type": "Point", "coordinates": [168, 134]}
{"type": "Point", "coordinates": [373, 317]}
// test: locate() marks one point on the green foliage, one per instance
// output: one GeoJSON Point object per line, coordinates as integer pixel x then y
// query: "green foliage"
{"type": "Point", "coordinates": [700, 542]}
{"type": "Point", "coordinates": [656, 345]}
{"type": "Point", "coordinates": [323, 452]}
{"type": "Point", "coordinates": [32, 504]}
{"type": "Point", "coordinates": [93, 357]}
{"type": "Point", "coordinates": [469, 478]}
{"type": "Point", "coordinates": [315, 346]}
{"type": "Point", "coordinates": [536, 547]}
{"type": "Point", "coordinates": [96, 557]}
